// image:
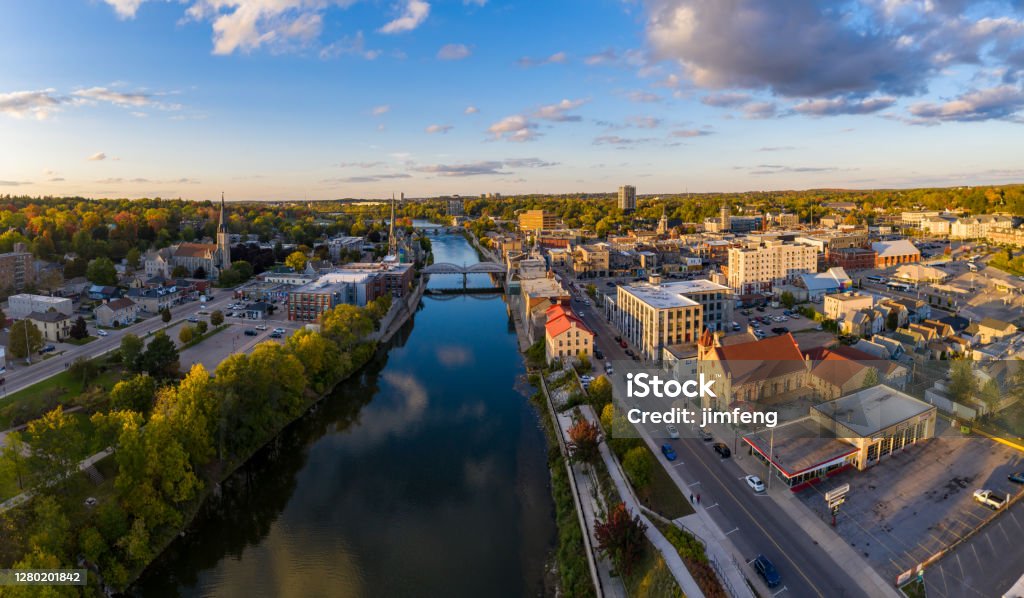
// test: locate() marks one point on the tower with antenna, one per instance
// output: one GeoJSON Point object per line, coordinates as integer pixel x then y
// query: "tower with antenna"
{"type": "Point", "coordinates": [392, 239]}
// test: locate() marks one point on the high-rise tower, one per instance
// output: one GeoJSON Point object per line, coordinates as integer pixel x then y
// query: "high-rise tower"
{"type": "Point", "coordinates": [725, 218]}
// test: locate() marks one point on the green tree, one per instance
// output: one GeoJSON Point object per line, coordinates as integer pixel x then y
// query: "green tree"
{"type": "Point", "coordinates": [133, 394]}
{"type": "Point", "coordinates": [79, 330]}
{"type": "Point", "coordinates": [83, 369]}
{"type": "Point", "coordinates": [870, 377]}
{"type": "Point", "coordinates": [193, 409]}
{"type": "Point", "coordinates": [133, 257]}
{"type": "Point", "coordinates": [991, 395]}
{"type": "Point", "coordinates": [131, 350]}
{"type": "Point", "coordinates": [56, 444]}
{"type": "Point", "coordinates": [217, 317]}
{"type": "Point", "coordinates": [160, 358]}
{"type": "Point", "coordinates": [12, 459]}
{"type": "Point", "coordinates": [787, 299]}
{"type": "Point", "coordinates": [24, 339]}
{"type": "Point", "coordinates": [639, 466]}
{"type": "Point", "coordinates": [201, 327]}
{"type": "Point", "coordinates": [165, 315]}
{"type": "Point", "coordinates": [101, 271]}
{"type": "Point", "coordinates": [185, 335]}
{"type": "Point", "coordinates": [962, 383]}
{"type": "Point", "coordinates": [892, 321]}
{"type": "Point", "coordinates": [179, 272]}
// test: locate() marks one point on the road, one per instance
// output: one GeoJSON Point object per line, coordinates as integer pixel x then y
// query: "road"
{"type": "Point", "coordinates": [754, 524]}
{"type": "Point", "coordinates": [24, 377]}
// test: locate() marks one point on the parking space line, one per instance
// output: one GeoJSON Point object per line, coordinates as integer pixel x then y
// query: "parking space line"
{"type": "Point", "coordinates": [1005, 535]}
{"type": "Point", "coordinates": [976, 557]}
{"type": "Point", "coordinates": [711, 507]}
{"type": "Point", "coordinates": [1014, 517]}
{"type": "Point", "coordinates": [678, 464]}
{"type": "Point", "coordinates": [735, 529]}
{"type": "Point", "coordinates": [695, 484]}
{"type": "Point", "coordinates": [784, 588]}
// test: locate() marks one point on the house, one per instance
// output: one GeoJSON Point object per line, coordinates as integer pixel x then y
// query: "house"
{"type": "Point", "coordinates": [55, 326]}
{"type": "Point", "coordinates": [751, 371]}
{"type": "Point", "coordinates": [119, 312]}
{"type": "Point", "coordinates": [834, 280]}
{"type": "Point", "coordinates": [894, 253]}
{"type": "Point", "coordinates": [565, 334]}
{"type": "Point", "coordinates": [154, 300]}
{"type": "Point", "coordinates": [102, 293]}
{"type": "Point", "coordinates": [837, 371]}
{"type": "Point", "coordinates": [257, 310]}
{"type": "Point", "coordinates": [990, 330]}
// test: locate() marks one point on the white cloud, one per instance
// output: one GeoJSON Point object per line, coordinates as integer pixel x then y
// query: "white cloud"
{"type": "Point", "coordinates": [559, 112]}
{"type": "Point", "coordinates": [40, 104]}
{"type": "Point", "coordinates": [453, 52]}
{"type": "Point", "coordinates": [471, 110]}
{"type": "Point", "coordinates": [643, 96]}
{"type": "Point", "coordinates": [349, 46]}
{"type": "Point", "coordinates": [514, 128]}
{"type": "Point", "coordinates": [114, 97]}
{"type": "Point", "coordinates": [381, 110]}
{"type": "Point", "coordinates": [246, 25]}
{"type": "Point", "coordinates": [1001, 102]}
{"type": "Point", "coordinates": [97, 157]}
{"type": "Point", "coordinates": [556, 58]}
{"type": "Point", "coordinates": [475, 2]}
{"type": "Point", "coordinates": [442, 129]}
{"type": "Point", "coordinates": [413, 15]}
{"type": "Point", "coordinates": [125, 9]}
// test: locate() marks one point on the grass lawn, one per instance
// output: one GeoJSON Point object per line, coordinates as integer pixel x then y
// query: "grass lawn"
{"type": "Point", "coordinates": [80, 341]}
{"type": "Point", "coordinates": [664, 496]}
{"type": "Point", "coordinates": [35, 395]}
{"type": "Point", "coordinates": [196, 340]}
{"type": "Point", "coordinates": [8, 485]}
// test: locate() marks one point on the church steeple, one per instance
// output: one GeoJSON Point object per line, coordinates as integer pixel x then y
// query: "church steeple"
{"type": "Point", "coordinates": [223, 223]}
{"type": "Point", "coordinates": [223, 260]}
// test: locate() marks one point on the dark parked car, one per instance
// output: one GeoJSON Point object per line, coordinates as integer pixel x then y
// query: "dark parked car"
{"type": "Point", "coordinates": [623, 344]}
{"type": "Point", "coordinates": [629, 352]}
{"type": "Point", "coordinates": [668, 451]}
{"type": "Point", "coordinates": [1017, 478]}
{"type": "Point", "coordinates": [250, 332]}
{"type": "Point", "coordinates": [760, 309]}
{"type": "Point", "coordinates": [779, 330]}
{"type": "Point", "coordinates": [767, 570]}
{"type": "Point", "coordinates": [722, 449]}
{"type": "Point", "coordinates": [706, 436]}
{"type": "Point", "coordinates": [598, 354]}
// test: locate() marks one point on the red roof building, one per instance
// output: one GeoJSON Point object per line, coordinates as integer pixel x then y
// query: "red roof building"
{"type": "Point", "coordinates": [566, 334]}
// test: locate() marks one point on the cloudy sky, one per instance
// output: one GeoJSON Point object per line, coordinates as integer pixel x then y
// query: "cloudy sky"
{"type": "Point", "coordinates": [286, 99]}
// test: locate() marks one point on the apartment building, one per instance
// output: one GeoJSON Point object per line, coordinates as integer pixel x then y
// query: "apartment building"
{"type": "Point", "coordinates": [566, 335]}
{"type": "Point", "coordinates": [627, 198]}
{"type": "Point", "coordinates": [54, 326]}
{"type": "Point", "coordinates": [653, 316]}
{"type": "Point", "coordinates": [759, 265]}
{"type": "Point", "coordinates": [978, 227]}
{"type": "Point", "coordinates": [16, 268]}
{"type": "Point", "coordinates": [21, 305]}
{"type": "Point", "coordinates": [591, 260]}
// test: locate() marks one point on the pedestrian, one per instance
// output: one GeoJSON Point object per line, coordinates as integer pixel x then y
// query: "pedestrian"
{"type": "Point", "coordinates": [698, 498]}
{"type": "Point", "coordinates": [691, 498]}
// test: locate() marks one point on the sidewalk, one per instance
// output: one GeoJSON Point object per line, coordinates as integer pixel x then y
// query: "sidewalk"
{"type": "Point", "coordinates": [853, 563]}
{"type": "Point", "coordinates": [25, 496]}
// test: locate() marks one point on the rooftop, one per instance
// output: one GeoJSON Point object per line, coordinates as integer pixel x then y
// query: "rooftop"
{"type": "Point", "coordinates": [894, 248]}
{"type": "Point", "coordinates": [672, 294]}
{"type": "Point", "coordinates": [800, 445]}
{"type": "Point", "coordinates": [869, 411]}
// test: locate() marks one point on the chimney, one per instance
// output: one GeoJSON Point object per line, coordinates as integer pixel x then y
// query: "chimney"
{"type": "Point", "coordinates": [654, 279]}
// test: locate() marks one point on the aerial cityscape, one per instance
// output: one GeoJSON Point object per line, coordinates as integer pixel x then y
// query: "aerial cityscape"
{"type": "Point", "coordinates": [475, 298]}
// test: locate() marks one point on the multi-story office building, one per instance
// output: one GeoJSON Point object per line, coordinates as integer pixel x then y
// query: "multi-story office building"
{"type": "Point", "coordinates": [308, 302]}
{"type": "Point", "coordinates": [16, 269]}
{"type": "Point", "coordinates": [20, 306]}
{"type": "Point", "coordinates": [654, 316]}
{"type": "Point", "coordinates": [627, 198]}
{"type": "Point", "coordinates": [760, 265]}
{"type": "Point", "coordinates": [537, 220]}
{"type": "Point", "coordinates": [455, 206]}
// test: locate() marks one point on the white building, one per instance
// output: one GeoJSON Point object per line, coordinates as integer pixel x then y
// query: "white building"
{"type": "Point", "coordinates": [978, 227]}
{"type": "Point", "coordinates": [762, 264]}
{"type": "Point", "coordinates": [20, 306]}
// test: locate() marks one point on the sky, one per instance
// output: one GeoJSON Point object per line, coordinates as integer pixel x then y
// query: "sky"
{"type": "Point", "coordinates": [323, 99]}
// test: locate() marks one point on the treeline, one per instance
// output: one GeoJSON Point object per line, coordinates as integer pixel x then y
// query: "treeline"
{"type": "Point", "coordinates": [171, 440]}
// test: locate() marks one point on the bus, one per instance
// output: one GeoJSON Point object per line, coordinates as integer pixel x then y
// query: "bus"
{"type": "Point", "coordinates": [875, 279]}
{"type": "Point", "coordinates": [898, 286]}
{"type": "Point", "coordinates": [972, 266]}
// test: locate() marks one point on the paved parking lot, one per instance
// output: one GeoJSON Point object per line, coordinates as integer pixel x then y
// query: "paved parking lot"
{"type": "Point", "coordinates": [919, 501]}
{"type": "Point", "coordinates": [216, 348]}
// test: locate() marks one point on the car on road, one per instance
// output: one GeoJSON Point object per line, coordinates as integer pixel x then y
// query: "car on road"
{"type": "Point", "coordinates": [261, 327]}
{"type": "Point", "coordinates": [668, 451]}
{"type": "Point", "coordinates": [991, 499]}
{"type": "Point", "coordinates": [276, 335]}
{"type": "Point", "coordinates": [618, 339]}
{"type": "Point", "coordinates": [598, 354]}
{"type": "Point", "coordinates": [102, 333]}
{"type": "Point", "coordinates": [629, 352]}
{"type": "Point", "coordinates": [673, 432]}
{"type": "Point", "coordinates": [250, 332]}
{"type": "Point", "coordinates": [705, 435]}
{"type": "Point", "coordinates": [193, 319]}
{"type": "Point", "coordinates": [1016, 478]}
{"type": "Point", "coordinates": [755, 483]}
{"type": "Point", "coordinates": [722, 449]}
{"type": "Point", "coordinates": [47, 349]}
{"type": "Point", "coordinates": [767, 571]}
{"type": "Point", "coordinates": [623, 344]}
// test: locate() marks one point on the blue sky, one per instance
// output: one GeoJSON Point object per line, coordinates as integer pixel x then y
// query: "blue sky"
{"type": "Point", "coordinates": [286, 99]}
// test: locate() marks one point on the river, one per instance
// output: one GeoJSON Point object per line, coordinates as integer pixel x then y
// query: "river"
{"type": "Point", "coordinates": [423, 475]}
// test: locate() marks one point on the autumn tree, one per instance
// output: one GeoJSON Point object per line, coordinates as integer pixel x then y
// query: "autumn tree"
{"type": "Point", "coordinates": [133, 394]}
{"type": "Point", "coordinates": [600, 391]}
{"type": "Point", "coordinates": [185, 335]}
{"type": "Point", "coordinates": [584, 439]}
{"type": "Point", "coordinates": [56, 444]}
{"type": "Point", "coordinates": [639, 467]}
{"type": "Point", "coordinates": [620, 537]}
{"type": "Point", "coordinates": [217, 317]}
{"type": "Point", "coordinates": [296, 261]}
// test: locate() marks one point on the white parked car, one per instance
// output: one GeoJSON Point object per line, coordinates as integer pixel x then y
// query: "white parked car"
{"type": "Point", "coordinates": [261, 327]}
{"type": "Point", "coordinates": [673, 433]}
{"type": "Point", "coordinates": [102, 333]}
{"type": "Point", "coordinates": [755, 483]}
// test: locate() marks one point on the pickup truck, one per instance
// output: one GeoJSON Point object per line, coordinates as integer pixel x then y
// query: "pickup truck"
{"type": "Point", "coordinates": [990, 498]}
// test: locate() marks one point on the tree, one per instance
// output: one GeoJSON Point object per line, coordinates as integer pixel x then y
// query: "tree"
{"type": "Point", "coordinates": [131, 349]}
{"type": "Point", "coordinates": [991, 395]}
{"type": "Point", "coordinates": [84, 370]}
{"type": "Point", "coordinates": [639, 466]}
{"type": "Point", "coordinates": [870, 378]}
{"type": "Point", "coordinates": [600, 391]}
{"type": "Point", "coordinates": [217, 317]}
{"type": "Point", "coordinates": [296, 261]}
{"type": "Point", "coordinates": [199, 273]}
{"type": "Point", "coordinates": [160, 358]}
{"type": "Point", "coordinates": [787, 299]}
{"type": "Point", "coordinates": [24, 339]}
{"type": "Point", "coordinates": [621, 538]}
{"type": "Point", "coordinates": [134, 394]}
{"type": "Point", "coordinates": [101, 271]}
{"type": "Point", "coordinates": [192, 408]}
{"type": "Point", "coordinates": [892, 321]}
{"type": "Point", "coordinates": [179, 272]}
{"type": "Point", "coordinates": [185, 335]}
{"type": "Point", "coordinates": [165, 315]}
{"type": "Point", "coordinates": [79, 330]}
{"type": "Point", "coordinates": [201, 327]}
{"type": "Point", "coordinates": [56, 444]}
{"type": "Point", "coordinates": [12, 458]}
{"type": "Point", "coordinates": [962, 383]}
{"type": "Point", "coordinates": [584, 438]}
